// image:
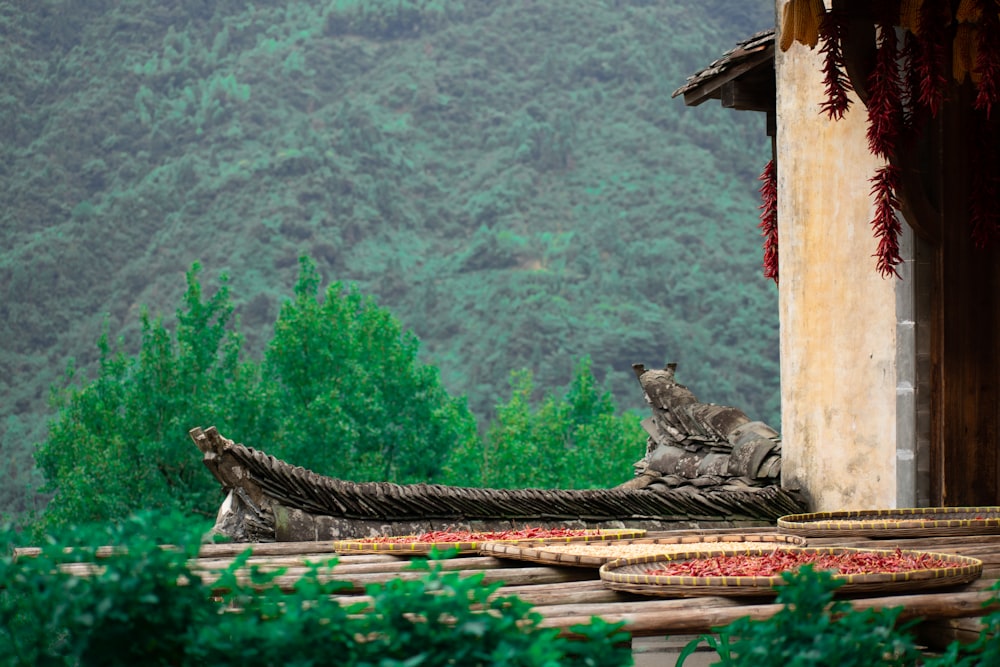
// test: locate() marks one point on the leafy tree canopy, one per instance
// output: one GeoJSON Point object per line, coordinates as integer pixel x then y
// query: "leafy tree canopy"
{"type": "Point", "coordinates": [340, 391]}
{"type": "Point", "coordinates": [568, 442]}
{"type": "Point", "coordinates": [119, 442]}
{"type": "Point", "coordinates": [353, 398]}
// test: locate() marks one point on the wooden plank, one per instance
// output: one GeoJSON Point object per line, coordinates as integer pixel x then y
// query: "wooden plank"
{"type": "Point", "coordinates": [232, 550]}
{"type": "Point", "coordinates": [361, 566]}
{"type": "Point", "coordinates": [937, 634]}
{"type": "Point", "coordinates": [755, 91]}
{"type": "Point", "coordinates": [710, 88]}
{"type": "Point", "coordinates": [510, 576]}
{"type": "Point", "coordinates": [647, 606]}
{"type": "Point", "coordinates": [704, 618]}
{"type": "Point", "coordinates": [965, 355]}
{"type": "Point", "coordinates": [565, 593]}
{"type": "Point", "coordinates": [266, 562]}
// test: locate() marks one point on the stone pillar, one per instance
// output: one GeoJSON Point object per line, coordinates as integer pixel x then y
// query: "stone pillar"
{"type": "Point", "coordinates": [838, 316]}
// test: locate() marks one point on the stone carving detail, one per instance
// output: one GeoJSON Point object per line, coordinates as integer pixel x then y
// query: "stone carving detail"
{"type": "Point", "coordinates": [701, 444]}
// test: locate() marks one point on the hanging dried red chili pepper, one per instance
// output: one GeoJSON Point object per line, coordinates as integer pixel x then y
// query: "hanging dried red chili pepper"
{"type": "Point", "coordinates": [930, 53]}
{"type": "Point", "coordinates": [885, 107]}
{"type": "Point", "coordinates": [832, 31]}
{"type": "Point", "coordinates": [886, 122]}
{"type": "Point", "coordinates": [895, 106]}
{"type": "Point", "coordinates": [769, 219]}
{"type": "Point", "coordinates": [987, 57]}
{"type": "Point", "coordinates": [886, 225]}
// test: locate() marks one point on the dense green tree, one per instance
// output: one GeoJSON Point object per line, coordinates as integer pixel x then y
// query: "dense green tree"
{"type": "Point", "coordinates": [570, 442]}
{"type": "Point", "coordinates": [355, 401]}
{"type": "Point", "coordinates": [341, 392]}
{"type": "Point", "coordinates": [120, 442]}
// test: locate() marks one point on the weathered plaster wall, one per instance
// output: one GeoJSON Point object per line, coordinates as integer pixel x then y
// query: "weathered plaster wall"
{"type": "Point", "coordinates": [838, 326]}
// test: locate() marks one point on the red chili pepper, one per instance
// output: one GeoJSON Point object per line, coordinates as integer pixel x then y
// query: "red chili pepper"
{"type": "Point", "coordinates": [442, 536]}
{"type": "Point", "coordinates": [768, 565]}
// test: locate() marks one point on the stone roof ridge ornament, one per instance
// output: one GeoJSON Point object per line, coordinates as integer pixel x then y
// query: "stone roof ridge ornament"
{"type": "Point", "coordinates": [246, 514]}
{"type": "Point", "coordinates": [268, 499]}
{"type": "Point", "coordinates": [700, 444]}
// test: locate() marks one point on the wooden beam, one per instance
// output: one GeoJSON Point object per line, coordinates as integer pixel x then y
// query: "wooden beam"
{"type": "Point", "coordinates": [700, 616]}
{"type": "Point", "coordinates": [747, 96]}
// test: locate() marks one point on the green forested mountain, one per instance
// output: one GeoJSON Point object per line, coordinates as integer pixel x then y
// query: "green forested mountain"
{"type": "Point", "coordinates": [511, 179]}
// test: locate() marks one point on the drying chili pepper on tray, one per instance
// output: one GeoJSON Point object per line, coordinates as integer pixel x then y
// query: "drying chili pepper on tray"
{"type": "Point", "coordinates": [449, 536]}
{"type": "Point", "coordinates": [782, 560]}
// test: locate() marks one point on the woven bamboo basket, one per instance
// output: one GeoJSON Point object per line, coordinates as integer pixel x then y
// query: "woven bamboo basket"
{"type": "Point", "coordinates": [630, 575]}
{"type": "Point", "coordinates": [595, 554]}
{"type": "Point", "coordinates": [911, 522]}
{"type": "Point", "coordinates": [402, 548]}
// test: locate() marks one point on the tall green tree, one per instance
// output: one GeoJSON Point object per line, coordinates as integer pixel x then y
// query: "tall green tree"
{"type": "Point", "coordinates": [571, 442]}
{"type": "Point", "coordinates": [341, 391]}
{"type": "Point", "coordinates": [119, 443]}
{"type": "Point", "coordinates": [354, 399]}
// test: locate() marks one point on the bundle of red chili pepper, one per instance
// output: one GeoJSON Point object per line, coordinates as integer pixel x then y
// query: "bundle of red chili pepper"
{"type": "Point", "coordinates": [781, 560]}
{"type": "Point", "coordinates": [448, 536]}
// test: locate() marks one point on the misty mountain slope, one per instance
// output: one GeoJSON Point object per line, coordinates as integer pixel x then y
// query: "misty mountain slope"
{"type": "Point", "coordinates": [512, 180]}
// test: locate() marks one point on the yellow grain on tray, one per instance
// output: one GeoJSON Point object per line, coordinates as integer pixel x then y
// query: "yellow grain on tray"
{"type": "Point", "coordinates": [647, 549]}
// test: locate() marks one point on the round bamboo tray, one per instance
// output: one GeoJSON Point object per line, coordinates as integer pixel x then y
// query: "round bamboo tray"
{"type": "Point", "coordinates": [911, 522]}
{"type": "Point", "coordinates": [589, 556]}
{"type": "Point", "coordinates": [472, 547]}
{"type": "Point", "coordinates": [630, 575]}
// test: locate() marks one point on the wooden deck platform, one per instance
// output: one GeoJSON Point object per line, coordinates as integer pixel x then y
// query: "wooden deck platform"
{"type": "Point", "coordinates": [566, 596]}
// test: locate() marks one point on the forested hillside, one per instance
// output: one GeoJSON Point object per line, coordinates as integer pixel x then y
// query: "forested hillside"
{"type": "Point", "coordinates": [510, 179]}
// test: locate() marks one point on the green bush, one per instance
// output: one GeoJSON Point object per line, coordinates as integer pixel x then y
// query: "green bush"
{"type": "Point", "coordinates": [129, 610]}
{"type": "Point", "coordinates": [145, 605]}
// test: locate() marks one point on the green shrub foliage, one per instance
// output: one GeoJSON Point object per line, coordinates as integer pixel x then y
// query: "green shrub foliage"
{"type": "Point", "coordinates": [983, 652]}
{"type": "Point", "coordinates": [144, 605]}
{"type": "Point", "coordinates": [812, 629]}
